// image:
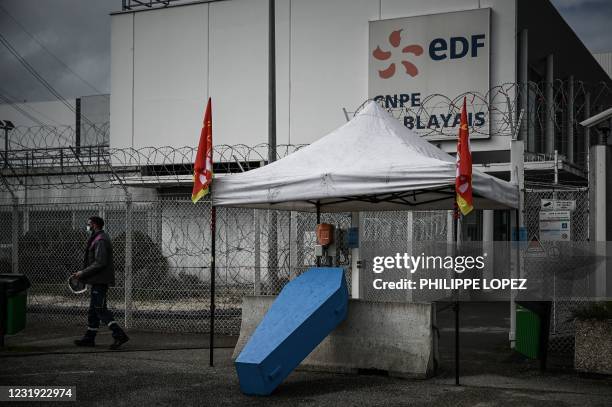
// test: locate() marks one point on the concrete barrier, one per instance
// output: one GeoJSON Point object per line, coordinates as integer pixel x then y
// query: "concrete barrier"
{"type": "Point", "coordinates": [394, 337]}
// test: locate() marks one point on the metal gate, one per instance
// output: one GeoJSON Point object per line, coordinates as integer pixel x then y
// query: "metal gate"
{"type": "Point", "coordinates": [562, 327]}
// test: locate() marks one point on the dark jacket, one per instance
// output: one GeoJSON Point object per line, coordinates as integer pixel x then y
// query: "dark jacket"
{"type": "Point", "coordinates": [98, 261]}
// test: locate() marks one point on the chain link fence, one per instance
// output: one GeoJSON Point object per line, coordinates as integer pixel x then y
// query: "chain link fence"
{"type": "Point", "coordinates": [165, 283]}
{"type": "Point", "coordinates": [388, 233]}
{"type": "Point", "coordinates": [566, 293]}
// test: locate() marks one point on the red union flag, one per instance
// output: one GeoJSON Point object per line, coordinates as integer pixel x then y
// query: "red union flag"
{"type": "Point", "coordinates": [203, 166]}
{"type": "Point", "coordinates": [463, 182]}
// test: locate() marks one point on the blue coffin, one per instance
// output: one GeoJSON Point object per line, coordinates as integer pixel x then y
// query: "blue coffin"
{"type": "Point", "coordinates": [303, 314]}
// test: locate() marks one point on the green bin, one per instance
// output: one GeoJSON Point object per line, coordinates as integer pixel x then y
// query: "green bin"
{"type": "Point", "coordinates": [16, 312]}
{"type": "Point", "coordinates": [15, 293]}
{"type": "Point", "coordinates": [528, 326]}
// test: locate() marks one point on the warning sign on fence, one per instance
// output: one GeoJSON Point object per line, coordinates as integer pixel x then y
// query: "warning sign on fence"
{"type": "Point", "coordinates": [555, 226]}
{"type": "Point", "coordinates": [557, 205]}
{"type": "Point", "coordinates": [535, 248]}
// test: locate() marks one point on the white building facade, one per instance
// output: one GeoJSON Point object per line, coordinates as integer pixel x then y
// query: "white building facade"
{"type": "Point", "coordinates": [167, 62]}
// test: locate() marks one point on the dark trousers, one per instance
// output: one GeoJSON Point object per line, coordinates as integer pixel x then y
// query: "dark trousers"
{"type": "Point", "coordinates": [98, 311]}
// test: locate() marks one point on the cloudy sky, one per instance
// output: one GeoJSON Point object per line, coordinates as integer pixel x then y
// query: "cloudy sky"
{"type": "Point", "coordinates": [67, 42]}
{"type": "Point", "coordinates": [590, 19]}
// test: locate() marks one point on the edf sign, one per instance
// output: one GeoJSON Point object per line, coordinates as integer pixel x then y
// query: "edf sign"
{"type": "Point", "coordinates": [456, 47]}
{"type": "Point", "coordinates": [413, 60]}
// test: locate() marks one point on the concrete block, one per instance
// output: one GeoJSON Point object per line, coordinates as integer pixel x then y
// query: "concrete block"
{"type": "Point", "coordinates": [394, 337]}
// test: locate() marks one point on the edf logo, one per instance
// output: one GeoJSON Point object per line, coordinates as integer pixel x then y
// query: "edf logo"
{"type": "Point", "coordinates": [439, 49]}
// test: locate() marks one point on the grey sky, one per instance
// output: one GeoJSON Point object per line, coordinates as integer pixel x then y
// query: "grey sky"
{"type": "Point", "coordinates": [78, 33]}
{"type": "Point", "coordinates": [590, 20]}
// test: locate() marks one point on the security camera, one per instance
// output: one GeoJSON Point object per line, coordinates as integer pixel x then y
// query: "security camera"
{"type": "Point", "coordinates": [6, 124]}
{"type": "Point", "coordinates": [597, 119]}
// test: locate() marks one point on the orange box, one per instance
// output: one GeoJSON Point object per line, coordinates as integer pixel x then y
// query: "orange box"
{"type": "Point", "coordinates": [325, 234]}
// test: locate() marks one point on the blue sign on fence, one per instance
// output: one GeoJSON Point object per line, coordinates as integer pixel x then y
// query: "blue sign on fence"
{"type": "Point", "coordinates": [522, 235]}
{"type": "Point", "coordinates": [352, 239]}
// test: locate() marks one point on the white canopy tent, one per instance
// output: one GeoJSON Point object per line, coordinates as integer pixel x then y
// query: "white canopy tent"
{"type": "Point", "coordinates": [372, 162]}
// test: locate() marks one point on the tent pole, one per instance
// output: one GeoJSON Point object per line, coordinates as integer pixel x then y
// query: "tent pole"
{"type": "Point", "coordinates": [518, 238]}
{"type": "Point", "coordinates": [213, 241]}
{"type": "Point", "coordinates": [515, 274]}
{"type": "Point", "coordinates": [456, 305]}
{"type": "Point", "coordinates": [456, 343]}
{"type": "Point", "coordinates": [318, 205]}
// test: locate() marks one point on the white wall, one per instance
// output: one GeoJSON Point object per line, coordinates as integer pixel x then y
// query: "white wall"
{"type": "Point", "coordinates": [170, 75]}
{"type": "Point", "coordinates": [329, 63]}
{"type": "Point", "coordinates": [122, 71]}
{"type": "Point", "coordinates": [239, 72]}
{"type": "Point", "coordinates": [184, 54]}
{"type": "Point", "coordinates": [94, 110]}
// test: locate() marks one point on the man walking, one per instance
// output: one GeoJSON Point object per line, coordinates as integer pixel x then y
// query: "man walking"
{"type": "Point", "coordinates": [99, 273]}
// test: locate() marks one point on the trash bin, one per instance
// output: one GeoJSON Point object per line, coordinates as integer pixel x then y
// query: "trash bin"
{"type": "Point", "coordinates": [527, 333]}
{"type": "Point", "coordinates": [13, 302]}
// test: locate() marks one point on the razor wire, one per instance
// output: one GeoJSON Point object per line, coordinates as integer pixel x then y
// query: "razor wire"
{"type": "Point", "coordinates": [500, 105]}
{"type": "Point", "coordinates": [49, 137]}
{"type": "Point", "coordinates": [50, 157]}
{"type": "Point", "coordinates": [98, 166]}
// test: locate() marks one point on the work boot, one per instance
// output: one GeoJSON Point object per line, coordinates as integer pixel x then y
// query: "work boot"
{"type": "Point", "coordinates": [89, 339]}
{"type": "Point", "coordinates": [118, 341]}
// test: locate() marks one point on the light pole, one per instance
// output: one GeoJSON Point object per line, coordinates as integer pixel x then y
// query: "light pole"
{"type": "Point", "coordinates": [272, 232]}
{"type": "Point", "coordinates": [7, 125]}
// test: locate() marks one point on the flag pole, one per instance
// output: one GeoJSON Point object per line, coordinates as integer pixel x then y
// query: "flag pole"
{"type": "Point", "coordinates": [456, 305]}
{"type": "Point", "coordinates": [202, 185]}
{"type": "Point", "coordinates": [463, 206]}
{"type": "Point", "coordinates": [213, 241]}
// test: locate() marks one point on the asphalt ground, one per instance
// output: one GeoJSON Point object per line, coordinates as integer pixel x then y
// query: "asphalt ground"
{"type": "Point", "coordinates": [168, 369]}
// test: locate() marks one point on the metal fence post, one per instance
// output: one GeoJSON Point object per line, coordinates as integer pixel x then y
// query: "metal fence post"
{"type": "Point", "coordinates": [409, 246]}
{"type": "Point", "coordinates": [15, 236]}
{"type": "Point", "coordinates": [257, 286]}
{"type": "Point", "coordinates": [570, 120]}
{"type": "Point", "coordinates": [128, 262]}
{"type": "Point", "coordinates": [293, 245]}
{"type": "Point", "coordinates": [273, 280]}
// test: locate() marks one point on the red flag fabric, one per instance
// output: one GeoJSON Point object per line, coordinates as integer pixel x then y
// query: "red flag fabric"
{"type": "Point", "coordinates": [203, 166]}
{"type": "Point", "coordinates": [463, 181]}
